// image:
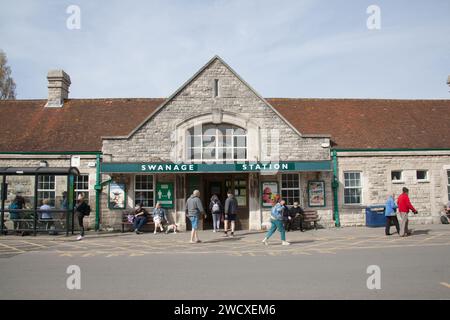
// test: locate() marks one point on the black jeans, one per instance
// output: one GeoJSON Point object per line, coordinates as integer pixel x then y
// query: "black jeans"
{"type": "Point", "coordinates": [80, 222]}
{"type": "Point", "coordinates": [388, 224]}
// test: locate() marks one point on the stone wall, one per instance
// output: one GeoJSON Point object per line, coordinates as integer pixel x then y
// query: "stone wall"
{"type": "Point", "coordinates": [155, 140]}
{"type": "Point", "coordinates": [427, 197]}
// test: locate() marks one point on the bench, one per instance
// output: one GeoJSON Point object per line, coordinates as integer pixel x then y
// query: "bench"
{"type": "Point", "coordinates": [311, 216]}
{"type": "Point", "coordinates": [125, 221]}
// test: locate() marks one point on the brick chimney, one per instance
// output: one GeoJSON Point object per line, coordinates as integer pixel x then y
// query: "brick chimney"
{"type": "Point", "coordinates": [58, 88]}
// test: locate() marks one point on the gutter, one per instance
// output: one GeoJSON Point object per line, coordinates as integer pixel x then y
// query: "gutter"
{"type": "Point", "coordinates": [335, 187]}
{"type": "Point", "coordinates": [53, 152]}
{"type": "Point", "coordinates": [389, 149]}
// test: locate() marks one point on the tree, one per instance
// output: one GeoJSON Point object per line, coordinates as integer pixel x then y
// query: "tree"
{"type": "Point", "coordinates": [7, 84]}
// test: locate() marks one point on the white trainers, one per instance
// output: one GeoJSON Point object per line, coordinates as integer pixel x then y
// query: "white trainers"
{"type": "Point", "coordinates": [285, 243]}
{"type": "Point", "coordinates": [154, 232]}
{"type": "Point", "coordinates": [265, 242]}
{"type": "Point", "coordinates": [80, 238]}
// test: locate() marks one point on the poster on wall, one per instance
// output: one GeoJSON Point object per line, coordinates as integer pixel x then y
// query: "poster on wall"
{"type": "Point", "coordinates": [117, 195]}
{"type": "Point", "coordinates": [165, 194]}
{"type": "Point", "coordinates": [316, 193]}
{"type": "Point", "coordinates": [269, 193]}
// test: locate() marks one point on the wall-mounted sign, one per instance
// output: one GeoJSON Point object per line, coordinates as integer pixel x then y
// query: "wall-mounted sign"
{"type": "Point", "coordinates": [165, 194]}
{"type": "Point", "coordinates": [75, 161]}
{"type": "Point", "coordinates": [316, 193]}
{"type": "Point", "coordinates": [117, 196]}
{"type": "Point", "coordinates": [269, 190]}
{"type": "Point", "coordinates": [114, 167]}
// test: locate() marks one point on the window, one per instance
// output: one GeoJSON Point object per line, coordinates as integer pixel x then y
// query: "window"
{"type": "Point", "coordinates": [290, 188]}
{"type": "Point", "coordinates": [397, 176]}
{"type": "Point", "coordinates": [240, 192]}
{"type": "Point", "coordinates": [422, 175]}
{"type": "Point", "coordinates": [216, 88]}
{"type": "Point", "coordinates": [46, 189]}
{"type": "Point", "coordinates": [352, 187]}
{"type": "Point", "coordinates": [144, 190]}
{"type": "Point", "coordinates": [82, 186]}
{"type": "Point", "coordinates": [212, 143]}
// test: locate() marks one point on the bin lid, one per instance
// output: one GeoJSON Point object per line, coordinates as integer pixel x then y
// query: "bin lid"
{"type": "Point", "coordinates": [375, 206]}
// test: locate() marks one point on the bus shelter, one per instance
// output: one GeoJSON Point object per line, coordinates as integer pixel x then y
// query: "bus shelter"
{"type": "Point", "coordinates": [32, 188]}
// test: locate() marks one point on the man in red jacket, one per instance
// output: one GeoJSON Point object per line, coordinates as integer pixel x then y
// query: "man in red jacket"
{"type": "Point", "coordinates": [404, 205]}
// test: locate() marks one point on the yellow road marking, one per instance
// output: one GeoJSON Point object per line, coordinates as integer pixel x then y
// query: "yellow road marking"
{"type": "Point", "coordinates": [13, 248]}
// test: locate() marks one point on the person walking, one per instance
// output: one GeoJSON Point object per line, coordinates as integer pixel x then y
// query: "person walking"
{"type": "Point", "coordinates": [215, 207]}
{"type": "Point", "coordinates": [404, 206]}
{"type": "Point", "coordinates": [231, 206]}
{"type": "Point", "coordinates": [391, 215]}
{"type": "Point", "coordinates": [194, 209]}
{"type": "Point", "coordinates": [276, 218]}
{"type": "Point", "coordinates": [82, 209]}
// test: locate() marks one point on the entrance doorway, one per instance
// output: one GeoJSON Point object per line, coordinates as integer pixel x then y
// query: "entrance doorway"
{"type": "Point", "coordinates": [219, 184]}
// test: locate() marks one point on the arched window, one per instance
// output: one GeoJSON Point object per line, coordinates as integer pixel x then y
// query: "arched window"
{"type": "Point", "coordinates": [216, 143]}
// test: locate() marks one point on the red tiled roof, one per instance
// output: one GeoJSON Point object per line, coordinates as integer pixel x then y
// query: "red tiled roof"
{"type": "Point", "coordinates": [25, 125]}
{"type": "Point", "coordinates": [371, 123]}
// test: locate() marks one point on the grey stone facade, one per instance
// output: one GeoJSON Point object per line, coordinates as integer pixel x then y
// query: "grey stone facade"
{"type": "Point", "coordinates": [155, 141]}
{"type": "Point", "coordinates": [428, 197]}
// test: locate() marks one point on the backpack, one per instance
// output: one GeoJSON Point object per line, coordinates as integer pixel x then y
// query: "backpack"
{"type": "Point", "coordinates": [215, 207]}
{"type": "Point", "coordinates": [87, 211]}
{"type": "Point", "coordinates": [444, 220]}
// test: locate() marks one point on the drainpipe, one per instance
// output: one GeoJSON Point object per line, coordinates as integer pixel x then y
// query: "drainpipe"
{"type": "Point", "coordinates": [98, 189]}
{"type": "Point", "coordinates": [335, 186]}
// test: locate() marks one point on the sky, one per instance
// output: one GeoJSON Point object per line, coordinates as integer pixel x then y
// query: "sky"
{"type": "Point", "coordinates": [282, 48]}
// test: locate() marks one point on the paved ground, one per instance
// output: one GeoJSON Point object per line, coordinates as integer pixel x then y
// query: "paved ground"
{"type": "Point", "coordinates": [328, 264]}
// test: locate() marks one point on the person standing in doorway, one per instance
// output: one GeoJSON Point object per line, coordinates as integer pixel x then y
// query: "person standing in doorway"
{"type": "Point", "coordinates": [215, 207]}
{"type": "Point", "coordinates": [231, 206]}
{"type": "Point", "coordinates": [391, 215]}
{"type": "Point", "coordinates": [194, 209]}
{"type": "Point", "coordinates": [276, 218]}
{"type": "Point", "coordinates": [404, 206]}
{"type": "Point", "coordinates": [81, 209]}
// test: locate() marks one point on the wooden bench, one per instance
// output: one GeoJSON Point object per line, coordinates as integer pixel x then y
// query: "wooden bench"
{"type": "Point", "coordinates": [311, 216]}
{"type": "Point", "coordinates": [125, 221]}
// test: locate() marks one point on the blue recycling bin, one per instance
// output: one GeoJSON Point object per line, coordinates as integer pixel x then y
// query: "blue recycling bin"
{"type": "Point", "coordinates": [375, 216]}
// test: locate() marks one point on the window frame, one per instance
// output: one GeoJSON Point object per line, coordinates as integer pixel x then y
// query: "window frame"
{"type": "Point", "coordinates": [84, 191]}
{"type": "Point", "coordinates": [360, 187]}
{"type": "Point", "coordinates": [427, 177]}
{"type": "Point", "coordinates": [42, 190]}
{"type": "Point", "coordinates": [299, 188]}
{"type": "Point", "coordinates": [135, 190]}
{"type": "Point", "coordinates": [401, 180]}
{"type": "Point", "coordinates": [218, 136]}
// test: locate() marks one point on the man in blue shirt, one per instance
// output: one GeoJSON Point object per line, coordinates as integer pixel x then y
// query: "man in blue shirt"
{"type": "Point", "coordinates": [391, 215]}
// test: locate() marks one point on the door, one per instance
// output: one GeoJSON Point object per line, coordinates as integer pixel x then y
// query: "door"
{"type": "Point", "coordinates": [238, 184]}
{"type": "Point", "coordinates": [213, 186]}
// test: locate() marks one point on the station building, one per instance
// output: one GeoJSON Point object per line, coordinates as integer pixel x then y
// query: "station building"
{"type": "Point", "coordinates": [216, 133]}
